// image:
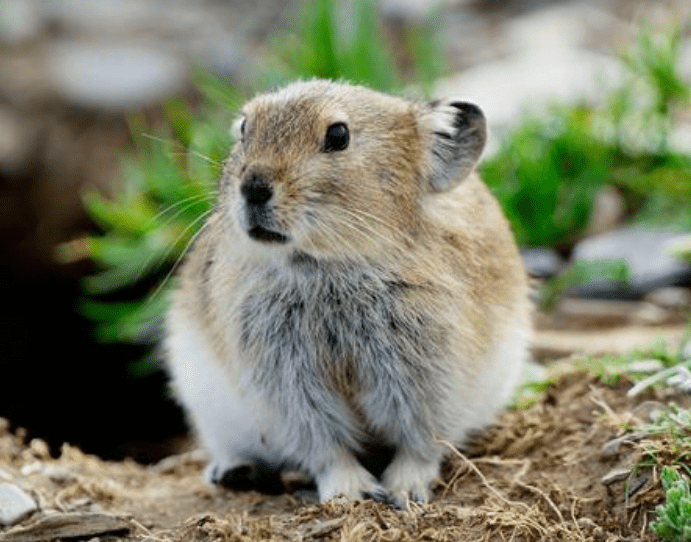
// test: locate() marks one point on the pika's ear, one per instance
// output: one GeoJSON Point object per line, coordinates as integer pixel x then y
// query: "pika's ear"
{"type": "Point", "coordinates": [458, 135]}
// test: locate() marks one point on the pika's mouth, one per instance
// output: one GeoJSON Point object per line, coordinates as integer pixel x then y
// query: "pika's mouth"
{"type": "Point", "coordinates": [260, 233]}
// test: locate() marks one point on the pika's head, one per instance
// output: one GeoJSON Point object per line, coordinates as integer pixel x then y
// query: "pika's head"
{"type": "Point", "coordinates": [331, 169]}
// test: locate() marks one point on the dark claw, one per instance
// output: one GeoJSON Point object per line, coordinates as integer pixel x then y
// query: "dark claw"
{"type": "Point", "coordinates": [248, 477]}
{"type": "Point", "coordinates": [379, 494]}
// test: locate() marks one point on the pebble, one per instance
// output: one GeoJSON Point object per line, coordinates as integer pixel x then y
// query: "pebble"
{"type": "Point", "coordinates": [15, 504]}
{"type": "Point", "coordinates": [113, 76]}
{"type": "Point", "coordinates": [615, 475]}
{"type": "Point", "coordinates": [542, 262]}
{"type": "Point", "coordinates": [645, 251]}
{"type": "Point", "coordinates": [612, 447]}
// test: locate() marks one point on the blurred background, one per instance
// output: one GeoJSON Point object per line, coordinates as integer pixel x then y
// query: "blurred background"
{"type": "Point", "coordinates": [114, 119]}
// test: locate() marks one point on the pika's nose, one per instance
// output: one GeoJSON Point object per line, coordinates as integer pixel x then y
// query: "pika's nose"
{"type": "Point", "coordinates": [256, 190]}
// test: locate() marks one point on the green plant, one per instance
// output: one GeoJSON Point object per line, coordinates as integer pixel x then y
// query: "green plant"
{"type": "Point", "coordinates": [323, 47]}
{"type": "Point", "coordinates": [168, 188]}
{"type": "Point", "coordinates": [548, 171]}
{"type": "Point", "coordinates": [547, 174]}
{"type": "Point", "coordinates": [673, 522]}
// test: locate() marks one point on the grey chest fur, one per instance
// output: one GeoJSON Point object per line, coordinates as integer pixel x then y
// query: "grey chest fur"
{"type": "Point", "coordinates": [346, 345]}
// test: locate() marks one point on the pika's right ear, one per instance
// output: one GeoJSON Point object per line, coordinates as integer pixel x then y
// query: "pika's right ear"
{"type": "Point", "coordinates": [458, 135]}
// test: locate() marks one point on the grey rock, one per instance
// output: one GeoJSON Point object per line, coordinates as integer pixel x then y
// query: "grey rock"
{"type": "Point", "coordinates": [645, 251]}
{"type": "Point", "coordinates": [113, 76]}
{"type": "Point", "coordinates": [615, 475]}
{"type": "Point", "coordinates": [15, 504]}
{"type": "Point", "coordinates": [541, 262]}
{"type": "Point", "coordinates": [613, 447]}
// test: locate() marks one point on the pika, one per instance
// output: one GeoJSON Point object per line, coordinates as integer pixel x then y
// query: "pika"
{"type": "Point", "coordinates": [355, 302]}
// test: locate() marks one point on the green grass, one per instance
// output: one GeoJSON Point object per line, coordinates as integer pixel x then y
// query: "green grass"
{"type": "Point", "coordinates": [549, 170]}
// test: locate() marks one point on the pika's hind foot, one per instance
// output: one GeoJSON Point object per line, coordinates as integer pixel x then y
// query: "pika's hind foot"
{"type": "Point", "coordinates": [345, 477]}
{"type": "Point", "coordinates": [407, 479]}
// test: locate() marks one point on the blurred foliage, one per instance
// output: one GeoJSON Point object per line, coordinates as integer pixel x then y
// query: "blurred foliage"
{"type": "Point", "coordinates": [325, 47]}
{"type": "Point", "coordinates": [169, 181]}
{"type": "Point", "coordinates": [547, 175]}
{"type": "Point", "coordinates": [580, 273]}
{"type": "Point", "coordinates": [548, 170]}
{"type": "Point", "coordinates": [168, 189]}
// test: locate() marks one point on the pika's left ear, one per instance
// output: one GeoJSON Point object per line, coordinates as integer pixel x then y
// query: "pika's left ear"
{"type": "Point", "coordinates": [458, 135]}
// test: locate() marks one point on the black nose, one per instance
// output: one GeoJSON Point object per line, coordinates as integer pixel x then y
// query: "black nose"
{"type": "Point", "coordinates": [256, 190]}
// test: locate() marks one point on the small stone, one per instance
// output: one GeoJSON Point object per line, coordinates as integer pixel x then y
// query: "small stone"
{"type": "Point", "coordinates": [644, 250]}
{"type": "Point", "coordinates": [114, 77]}
{"type": "Point", "coordinates": [615, 475]}
{"type": "Point", "coordinates": [612, 447]}
{"type": "Point", "coordinates": [541, 262]}
{"type": "Point", "coordinates": [15, 504]}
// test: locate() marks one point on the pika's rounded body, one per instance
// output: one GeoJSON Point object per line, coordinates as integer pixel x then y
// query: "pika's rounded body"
{"type": "Point", "coordinates": [356, 301]}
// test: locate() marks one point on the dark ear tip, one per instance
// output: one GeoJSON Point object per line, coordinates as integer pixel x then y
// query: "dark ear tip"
{"type": "Point", "coordinates": [469, 113]}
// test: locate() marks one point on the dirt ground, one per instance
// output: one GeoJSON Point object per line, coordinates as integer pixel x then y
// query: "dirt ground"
{"type": "Point", "coordinates": [577, 465]}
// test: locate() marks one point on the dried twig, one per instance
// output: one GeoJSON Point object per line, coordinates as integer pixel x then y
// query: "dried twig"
{"type": "Point", "coordinates": [484, 481]}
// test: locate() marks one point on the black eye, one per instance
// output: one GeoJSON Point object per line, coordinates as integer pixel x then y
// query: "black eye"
{"type": "Point", "coordinates": [337, 137]}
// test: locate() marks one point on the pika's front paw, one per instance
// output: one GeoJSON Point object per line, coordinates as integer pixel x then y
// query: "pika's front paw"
{"type": "Point", "coordinates": [347, 478]}
{"type": "Point", "coordinates": [245, 477]}
{"type": "Point", "coordinates": [408, 480]}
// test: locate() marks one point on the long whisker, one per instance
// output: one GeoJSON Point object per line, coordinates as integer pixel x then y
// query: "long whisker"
{"type": "Point", "coordinates": [145, 265]}
{"type": "Point", "coordinates": [182, 153]}
{"type": "Point", "coordinates": [193, 199]}
{"type": "Point", "coordinates": [363, 225]}
{"type": "Point", "coordinates": [175, 265]}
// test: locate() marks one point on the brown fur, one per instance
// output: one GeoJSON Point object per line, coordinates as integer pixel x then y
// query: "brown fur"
{"type": "Point", "coordinates": [387, 309]}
